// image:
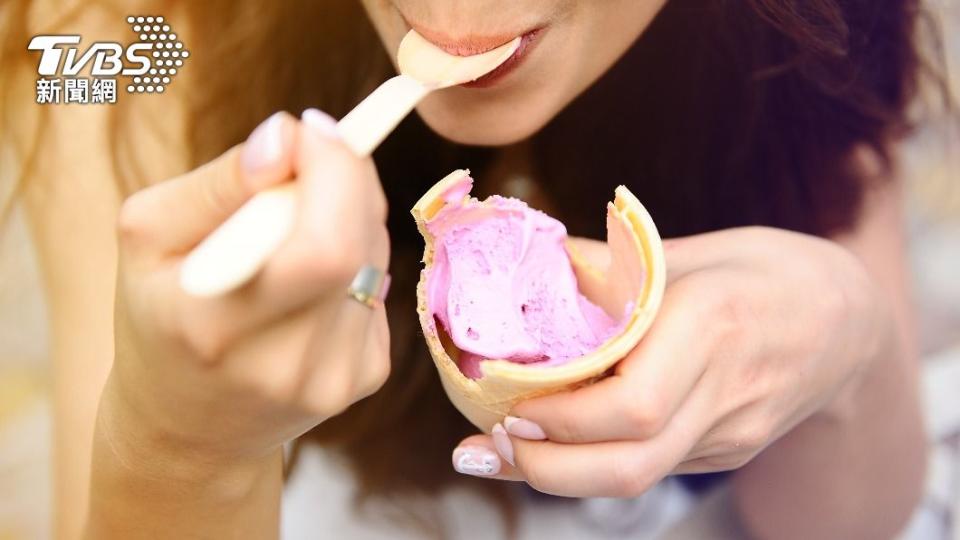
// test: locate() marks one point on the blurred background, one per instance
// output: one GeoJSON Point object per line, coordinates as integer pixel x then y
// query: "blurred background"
{"type": "Point", "coordinates": [931, 160]}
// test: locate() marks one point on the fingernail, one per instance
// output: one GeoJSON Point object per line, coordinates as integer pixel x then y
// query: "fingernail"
{"type": "Point", "coordinates": [502, 441]}
{"type": "Point", "coordinates": [523, 428]}
{"type": "Point", "coordinates": [476, 461]}
{"type": "Point", "coordinates": [321, 122]}
{"type": "Point", "coordinates": [264, 147]}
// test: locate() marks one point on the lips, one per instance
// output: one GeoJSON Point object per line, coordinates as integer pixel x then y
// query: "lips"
{"type": "Point", "coordinates": [510, 64]}
{"type": "Point", "coordinates": [462, 46]}
{"type": "Point", "coordinates": [472, 44]}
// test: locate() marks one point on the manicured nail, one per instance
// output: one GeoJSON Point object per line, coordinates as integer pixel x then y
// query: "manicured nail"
{"type": "Point", "coordinates": [321, 122]}
{"type": "Point", "coordinates": [264, 147]}
{"type": "Point", "coordinates": [502, 441]}
{"type": "Point", "coordinates": [476, 461]}
{"type": "Point", "coordinates": [523, 428]}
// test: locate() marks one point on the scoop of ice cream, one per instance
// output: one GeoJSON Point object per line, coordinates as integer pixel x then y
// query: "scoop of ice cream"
{"type": "Point", "coordinates": [502, 285]}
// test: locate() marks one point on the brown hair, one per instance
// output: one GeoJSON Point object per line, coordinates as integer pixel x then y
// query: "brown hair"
{"type": "Point", "coordinates": [724, 113]}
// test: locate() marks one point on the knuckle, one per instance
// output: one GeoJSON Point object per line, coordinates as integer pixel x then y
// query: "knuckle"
{"type": "Point", "coordinates": [336, 160]}
{"type": "Point", "coordinates": [364, 181]}
{"type": "Point", "coordinates": [536, 476]}
{"type": "Point", "coordinates": [729, 314]}
{"type": "Point", "coordinates": [835, 304]}
{"type": "Point", "coordinates": [731, 461]}
{"type": "Point", "coordinates": [278, 387]}
{"type": "Point", "coordinates": [629, 479]}
{"type": "Point", "coordinates": [327, 396]}
{"type": "Point", "coordinates": [131, 224]}
{"type": "Point", "coordinates": [645, 413]}
{"type": "Point", "coordinates": [221, 188]}
{"type": "Point", "coordinates": [750, 438]}
{"type": "Point", "coordinates": [206, 340]}
{"type": "Point", "coordinates": [380, 372]}
{"type": "Point", "coordinates": [331, 403]}
{"type": "Point", "coordinates": [377, 197]}
{"type": "Point", "coordinates": [328, 260]}
{"type": "Point", "coordinates": [374, 377]}
{"type": "Point", "coordinates": [570, 429]}
{"type": "Point", "coordinates": [208, 345]}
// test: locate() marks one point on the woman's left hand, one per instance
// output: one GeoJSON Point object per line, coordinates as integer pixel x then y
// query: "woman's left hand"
{"type": "Point", "coordinates": [759, 329]}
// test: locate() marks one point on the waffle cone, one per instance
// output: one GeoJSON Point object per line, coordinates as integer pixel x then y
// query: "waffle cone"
{"type": "Point", "coordinates": [636, 274]}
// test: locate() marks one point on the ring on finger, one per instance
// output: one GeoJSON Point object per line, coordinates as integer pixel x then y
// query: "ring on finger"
{"type": "Point", "coordinates": [369, 286]}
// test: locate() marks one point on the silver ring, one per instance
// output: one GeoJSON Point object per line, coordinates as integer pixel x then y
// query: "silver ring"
{"type": "Point", "coordinates": [369, 286]}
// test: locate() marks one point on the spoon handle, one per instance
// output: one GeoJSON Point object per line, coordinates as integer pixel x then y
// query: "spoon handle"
{"type": "Point", "coordinates": [369, 123]}
{"type": "Point", "coordinates": [233, 253]}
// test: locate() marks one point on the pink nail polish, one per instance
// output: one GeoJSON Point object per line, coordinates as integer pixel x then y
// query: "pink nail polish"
{"type": "Point", "coordinates": [264, 147]}
{"type": "Point", "coordinates": [320, 122]}
{"type": "Point", "coordinates": [502, 441]}
{"type": "Point", "coordinates": [476, 461]}
{"type": "Point", "coordinates": [523, 428]}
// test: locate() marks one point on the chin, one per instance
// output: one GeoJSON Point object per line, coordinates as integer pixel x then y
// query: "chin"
{"type": "Point", "coordinates": [468, 116]}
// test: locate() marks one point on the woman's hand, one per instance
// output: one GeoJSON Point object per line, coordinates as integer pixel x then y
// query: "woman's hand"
{"type": "Point", "coordinates": [759, 329]}
{"type": "Point", "coordinates": [229, 379]}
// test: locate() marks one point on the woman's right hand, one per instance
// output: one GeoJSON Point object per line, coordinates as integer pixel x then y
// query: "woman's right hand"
{"type": "Point", "coordinates": [233, 377]}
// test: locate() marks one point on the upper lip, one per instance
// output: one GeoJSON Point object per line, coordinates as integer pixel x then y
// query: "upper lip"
{"type": "Point", "coordinates": [466, 45]}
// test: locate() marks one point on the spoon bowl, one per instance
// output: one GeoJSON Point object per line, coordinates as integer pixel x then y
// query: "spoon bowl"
{"type": "Point", "coordinates": [431, 65]}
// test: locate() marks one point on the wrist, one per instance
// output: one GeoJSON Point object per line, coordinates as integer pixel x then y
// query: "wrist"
{"type": "Point", "coordinates": [131, 448]}
{"type": "Point", "coordinates": [871, 336]}
{"type": "Point", "coordinates": [144, 485]}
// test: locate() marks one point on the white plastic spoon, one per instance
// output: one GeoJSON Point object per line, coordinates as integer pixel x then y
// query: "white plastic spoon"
{"type": "Point", "coordinates": [233, 253]}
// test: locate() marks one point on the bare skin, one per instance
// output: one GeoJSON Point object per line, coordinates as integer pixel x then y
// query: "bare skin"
{"type": "Point", "coordinates": [718, 395]}
{"type": "Point", "coordinates": [154, 474]}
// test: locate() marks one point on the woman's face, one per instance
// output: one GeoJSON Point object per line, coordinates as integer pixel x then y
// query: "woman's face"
{"type": "Point", "coordinates": [567, 45]}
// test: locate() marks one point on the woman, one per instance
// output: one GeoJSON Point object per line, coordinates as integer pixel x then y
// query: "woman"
{"type": "Point", "coordinates": [783, 352]}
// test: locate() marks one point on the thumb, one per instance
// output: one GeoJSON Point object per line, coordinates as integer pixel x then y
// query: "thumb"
{"type": "Point", "coordinates": [596, 252]}
{"type": "Point", "coordinates": [173, 216]}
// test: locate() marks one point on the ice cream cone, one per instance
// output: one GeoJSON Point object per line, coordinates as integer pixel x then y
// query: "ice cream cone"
{"type": "Point", "coordinates": [635, 277]}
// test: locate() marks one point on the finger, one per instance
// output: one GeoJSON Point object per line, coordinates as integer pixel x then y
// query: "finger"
{"type": "Point", "coordinates": [210, 326]}
{"type": "Point", "coordinates": [644, 392]}
{"type": "Point", "coordinates": [351, 348]}
{"type": "Point", "coordinates": [375, 367]}
{"type": "Point", "coordinates": [270, 363]}
{"type": "Point", "coordinates": [708, 465]}
{"type": "Point", "coordinates": [340, 223]}
{"type": "Point", "coordinates": [297, 362]}
{"type": "Point", "coordinates": [691, 253]}
{"type": "Point", "coordinates": [597, 253]}
{"type": "Point", "coordinates": [606, 469]}
{"type": "Point", "coordinates": [203, 198]}
{"type": "Point", "coordinates": [335, 373]}
{"type": "Point", "coordinates": [477, 456]}
{"type": "Point", "coordinates": [303, 270]}
{"type": "Point", "coordinates": [349, 359]}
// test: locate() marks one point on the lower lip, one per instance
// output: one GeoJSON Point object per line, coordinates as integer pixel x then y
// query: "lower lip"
{"type": "Point", "coordinates": [527, 42]}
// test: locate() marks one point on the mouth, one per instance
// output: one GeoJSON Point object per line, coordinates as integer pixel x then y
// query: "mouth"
{"type": "Point", "coordinates": [476, 44]}
{"type": "Point", "coordinates": [527, 41]}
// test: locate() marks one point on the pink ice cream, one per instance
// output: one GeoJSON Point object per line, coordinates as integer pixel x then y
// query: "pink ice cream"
{"type": "Point", "coordinates": [502, 285]}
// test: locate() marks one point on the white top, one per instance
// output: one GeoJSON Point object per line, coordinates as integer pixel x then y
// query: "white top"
{"type": "Point", "coordinates": [318, 503]}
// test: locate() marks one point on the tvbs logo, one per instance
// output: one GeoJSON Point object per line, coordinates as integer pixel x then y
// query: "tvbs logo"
{"type": "Point", "coordinates": [152, 62]}
{"type": "Point", "coordinates": [107, 57]}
